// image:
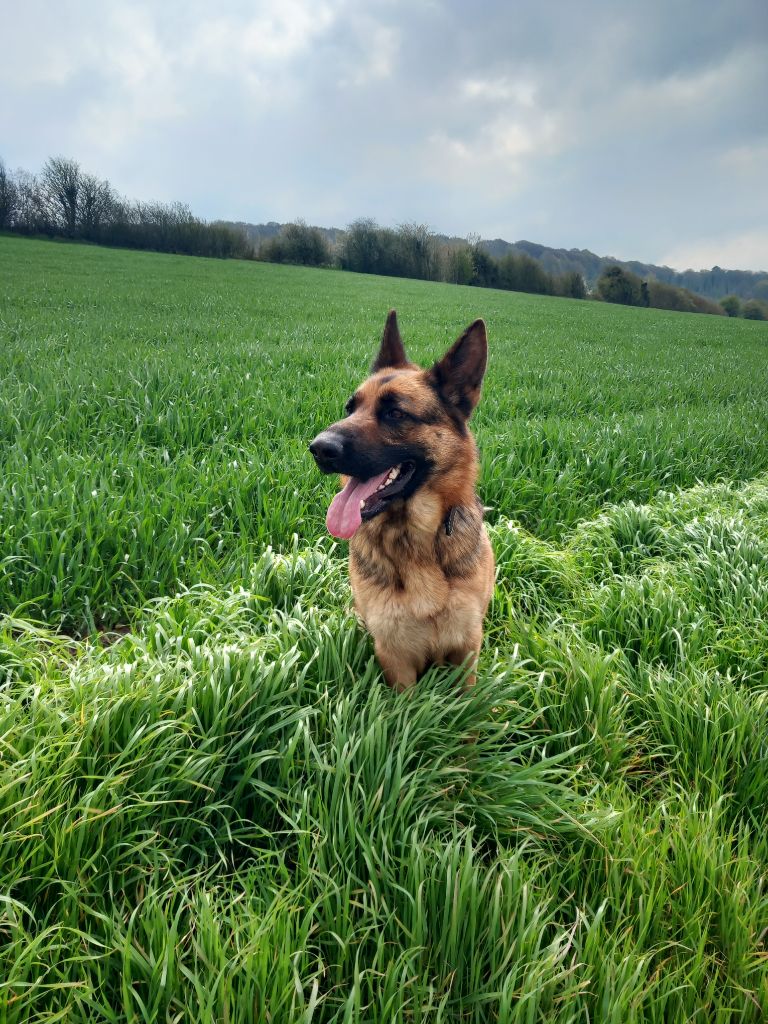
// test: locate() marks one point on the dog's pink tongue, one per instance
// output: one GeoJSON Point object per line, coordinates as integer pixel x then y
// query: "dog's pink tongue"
{"type": "Point", "coordinates": [343, 516]}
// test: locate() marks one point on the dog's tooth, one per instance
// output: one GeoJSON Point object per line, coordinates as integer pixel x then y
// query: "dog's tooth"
{"type": "Point", "coordinates": [362, 504]}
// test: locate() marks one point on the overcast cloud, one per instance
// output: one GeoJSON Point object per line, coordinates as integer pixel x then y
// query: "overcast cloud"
{"type": "Point", "coordinates": [639, 131]}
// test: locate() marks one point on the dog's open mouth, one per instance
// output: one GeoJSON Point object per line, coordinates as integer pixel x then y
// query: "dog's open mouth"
{"type": "Point", "coordinates": [364, 499]}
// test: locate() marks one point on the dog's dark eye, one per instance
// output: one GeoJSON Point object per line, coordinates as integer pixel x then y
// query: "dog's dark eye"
{"type": "Point", "coordinates": [394, 414]}
{"type": "Point", "coordinates": [349, 407]}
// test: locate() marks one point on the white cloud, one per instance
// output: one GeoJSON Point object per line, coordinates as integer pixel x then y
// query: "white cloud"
{"type": "Point", "coordinates": [503, 131]}
{"type": "Point", "coordinates": [501, 88]}
{"type": "Point", "coordinates": [747, 250]}
{"type": "Point", "coordinates": [155, 77]}
{"type": "Point", "coordinates": [277, 33]}
{"type": "Point", "coordinates": [143, 87]}
{"type": "Point", "coordinates": [511, 139]}
{"type": "Point", "coordinates": [748, 159]}
{"type": "Point", "coordinates": [699, 99]}
{"type": "Point", "coordinates": [496, 157]}
{"type": "Point", "coordinates": [375, 54]}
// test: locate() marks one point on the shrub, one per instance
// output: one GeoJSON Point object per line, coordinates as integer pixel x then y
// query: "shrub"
{"type": "Point", "coordinates": [754, 310]}
{"type": "Point", "coordinates": [618, 285]}
{"type": "Point", "coordinates": [297, 243]}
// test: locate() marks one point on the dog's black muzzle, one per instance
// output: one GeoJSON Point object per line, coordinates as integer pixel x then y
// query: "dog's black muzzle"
{"type": "Point", "coordinates": [337, 450]}
{"type": "Point", "coordinates": [328, 451]}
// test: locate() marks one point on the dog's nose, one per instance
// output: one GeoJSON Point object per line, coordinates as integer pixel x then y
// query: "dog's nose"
{"type": "Point", "coordinates": [326, 448]}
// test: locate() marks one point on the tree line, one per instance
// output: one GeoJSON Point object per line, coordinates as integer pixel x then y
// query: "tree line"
{"type": "Point", "coordinates": [65, 201]}
{"type": "Point", "coordinates": [413, 250]}
{"type": "Point", "coordinates": [712, 284]}
{"type": "Point", "coordinates": [617, 284]}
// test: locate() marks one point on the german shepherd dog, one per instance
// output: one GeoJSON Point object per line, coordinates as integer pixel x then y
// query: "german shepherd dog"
{"type": "Point", "coordinates": [420, 562]}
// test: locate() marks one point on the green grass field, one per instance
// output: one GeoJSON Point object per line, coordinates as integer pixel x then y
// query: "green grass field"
{"type": "Point", "coordinates": [225, 815]}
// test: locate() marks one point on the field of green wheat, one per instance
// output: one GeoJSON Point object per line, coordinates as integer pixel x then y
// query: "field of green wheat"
{"type": "Point", "coordinates": [212, 807]}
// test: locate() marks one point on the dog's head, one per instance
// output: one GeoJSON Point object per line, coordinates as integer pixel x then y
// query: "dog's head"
{"type": "Point", "coordinates": [405, 428]}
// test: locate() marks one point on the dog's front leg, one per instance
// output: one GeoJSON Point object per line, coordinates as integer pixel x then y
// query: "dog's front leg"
{"type": "Point", "coordinates": [469, 660]}
{"type": "Point", "coordinates": [467, 656]}
{"type": "Point", "coordinates": [399, 670]}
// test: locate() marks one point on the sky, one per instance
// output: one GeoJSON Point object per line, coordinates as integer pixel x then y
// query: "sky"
{"type": "Point", "coordinates": [636, 130]}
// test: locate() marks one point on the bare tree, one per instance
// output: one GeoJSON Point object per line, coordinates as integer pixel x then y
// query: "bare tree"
{"type": "Point", "coordinates": [417, 249]}
{"type": "Point", "coordinates": [95, 204]}
{"type": "Point", "coordinates": [30, 212]}
{"type": "Point", "coordinates": [8, 197]}
{"type": "Point", "coordinates": [362, 246]}
{"type": "Point", "coordinates": [61, 181]}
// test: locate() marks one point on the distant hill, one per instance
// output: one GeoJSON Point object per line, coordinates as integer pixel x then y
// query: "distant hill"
{"type": "Point", "coordinates": [258, 233]}
{"type": "Point", "coordinates": [712, 284]}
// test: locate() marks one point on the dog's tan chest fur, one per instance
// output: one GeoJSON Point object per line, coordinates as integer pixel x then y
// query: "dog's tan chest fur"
{"type": "Point", "coordinates": [422, 591]}
{"type": "Point", "coordinates": [448, 610]}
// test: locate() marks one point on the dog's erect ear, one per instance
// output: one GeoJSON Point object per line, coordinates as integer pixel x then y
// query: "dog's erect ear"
{"type": "Point", "coordinates": [392, 352]}
{"type": "Point", "coordinates": [458, 376]}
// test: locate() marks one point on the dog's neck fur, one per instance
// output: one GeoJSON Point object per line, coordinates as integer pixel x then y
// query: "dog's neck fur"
{"type": "Point", "coordinates": [423, 528]}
